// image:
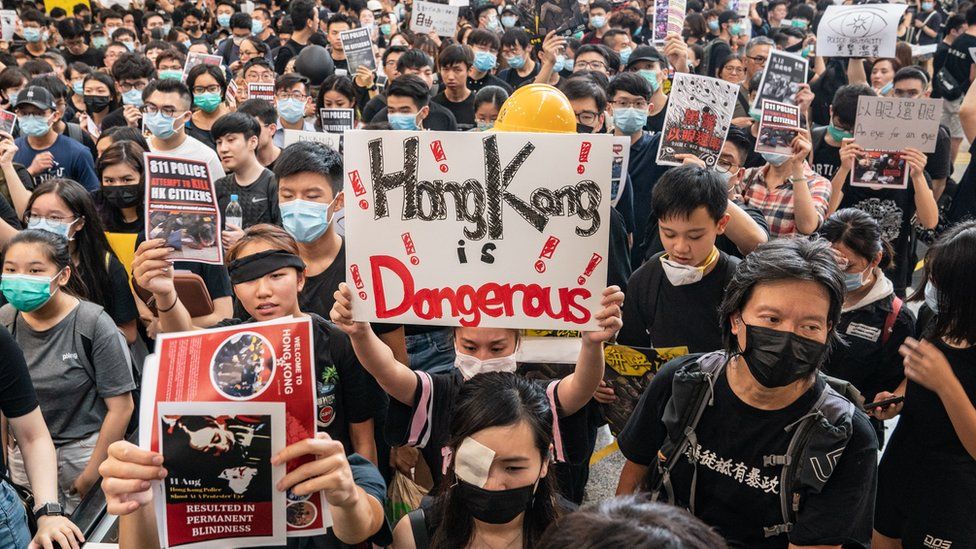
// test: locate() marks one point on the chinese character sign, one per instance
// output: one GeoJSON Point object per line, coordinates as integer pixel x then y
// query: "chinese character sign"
{"type": "Point", "coordinates": [861, 30]}
{"type": "Point", "coordinates": [697, 119]}
{"type": "Point", "coordinates": [477, 229]}
{"type": "Point", "coordinates": [428, 17]}
{"type": "Point", "coordinates": [894, 124]}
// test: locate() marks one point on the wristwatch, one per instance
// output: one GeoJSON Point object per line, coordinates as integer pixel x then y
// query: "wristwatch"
{"type": "Point", "coordinates": [50, 510]}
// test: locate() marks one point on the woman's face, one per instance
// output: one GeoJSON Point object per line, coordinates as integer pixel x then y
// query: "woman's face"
{"type": "Point", "coordinates": [50, 206]}
{"type": "Point", "coordinates": [272, 296]}
{"type": "Point", "coordinates": [485, 343]}
{"type": "Point", "coordinates": [94, 87]}
{"type": "Point", "coordinates": [26, 258]}
{"type": "Point", "coordinates": [734, 71]}
{"type": "Point", "coordinates": [120, 174]}
{"type": "Point", "coordinates": [849, 260]}
{"type": "Point", "coordinates": [247, 51]}
{"type": "Point", "coordinates": [517, 462]}
{"type": "Point", "coordinates": [882, 74]}
{"type": "Point", "coordinates": [205, 83]}
{"type": "Point", "coordinates": [486, 113]}
{"type": "Point", "coordinates": [335, 100]}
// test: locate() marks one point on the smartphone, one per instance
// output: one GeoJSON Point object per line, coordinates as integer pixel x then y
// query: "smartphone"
{"type": "Point", "coordinates": [884, 403]}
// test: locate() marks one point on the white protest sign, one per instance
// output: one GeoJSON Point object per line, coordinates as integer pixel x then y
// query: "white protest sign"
{"type": "Point", "coordinates": [477, 229]}
{"type": "Point", "coordinates": [8, 23]}
{"type": "Point", "coordinates": [862, 30]}
{"type": "Point", "coordinates": [294, 136]}
{"type": "Point", "coordinates": [618, 175]}
{"type": "Point", "coordinates": [894, 124]}
{"type": "Point", "coordinates": [428, 17]}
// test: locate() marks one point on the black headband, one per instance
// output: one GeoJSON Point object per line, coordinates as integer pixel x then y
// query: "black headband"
{"type": "Point", "coordinates": [257, 265]}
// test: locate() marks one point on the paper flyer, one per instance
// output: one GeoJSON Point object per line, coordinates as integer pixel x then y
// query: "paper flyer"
{"type": "Point", "coordinates": [896, 123]}
{"type": "Point", "coordinates": [880, 170]}
{"type": "Point", "coordinates": [697, 119]}
{"type": "Point", "coordinates": [358, 48]}
{"type": "Point", "coordinates": [781, 79]}
{"type": "Point", "coordinates": [660, 23]}
{"type": "Point", "coordinates": [861, 30]}
{"type": "Point", "coordinates": [181, 208]}
{"type": "Point", "coordinates": [7, 120]}
{"type": "Point", "coordinates": [337, 120]}
{"type": "Point", "coordinates": [261, 90]}
{"type": "Point", "coordinates": [220, 484]}
{"type": "Point", "coordinates": [193, 59]}
{"type": "Point", "coordinates": [778, 126]}
{"type": "Point", "coordinates": [264, 362]}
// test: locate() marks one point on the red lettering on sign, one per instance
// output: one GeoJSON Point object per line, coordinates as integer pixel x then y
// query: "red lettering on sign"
{"type": "Point", "coordinates": [590, 267]}
{"type": "Point", "coordinates": [548, 249]}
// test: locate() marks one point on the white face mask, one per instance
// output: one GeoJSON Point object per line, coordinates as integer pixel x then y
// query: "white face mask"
{"type": "Point", "coordinates": [682, 275]}
{"type": "Point", "coordinates": [471, 366]}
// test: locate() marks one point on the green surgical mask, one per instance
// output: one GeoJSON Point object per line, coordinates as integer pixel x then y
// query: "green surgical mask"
{"type": "Point", "coordinates": [26, 292]}
{"type": "Point", "coordinates": [172, 74]}
{"type": "Point", "coordinates": [208, 102]}
{"type": "Point", "coordinates": [838, 134]}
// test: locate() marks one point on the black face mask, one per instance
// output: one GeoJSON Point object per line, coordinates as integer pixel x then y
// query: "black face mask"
{"type": "Point", "coordinates": [777, 358]}
{"type": "Point", "coordinates": [97, 103]}
{"type": "Point", "coordinates": [583, 128]}
{"type": "Point", "coordinates": [121, 196]}
{"type": "Point", "coordinates": [494, 506]}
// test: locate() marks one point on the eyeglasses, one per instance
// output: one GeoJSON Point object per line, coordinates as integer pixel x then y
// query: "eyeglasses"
{"type": "Point", "coordinates": [53, 218]}
{"type": "Point", "coordinates": [590, 65]}
{"type": "Point", "coordinates": [129, 86]}
{"type": "Point", "coordinates": [153, 109]}
{"type": "Point", "coordinates": [259, 76]}
{"type": "Point", "coordinates": [297, 95]}
{"type": "Point", "coordinates": [758, 59]}
{"type": "Point", "coordinates": [639, 105]}
{"type": "Point", "coordinates": [197, 90]}
{"type": "Point", "coordinates": [587, 118]}
{"type": "Point", "coordinates": [724, 166]}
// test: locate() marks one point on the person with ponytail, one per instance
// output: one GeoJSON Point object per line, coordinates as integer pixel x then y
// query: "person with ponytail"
{"type": "Point", "coordinates": [76, 357]}
{"type": "Point", "coordinates": [873, 320]}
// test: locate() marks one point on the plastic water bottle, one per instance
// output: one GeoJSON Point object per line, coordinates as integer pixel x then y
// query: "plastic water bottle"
{"type": "Point", "coordinates": [234, 215]}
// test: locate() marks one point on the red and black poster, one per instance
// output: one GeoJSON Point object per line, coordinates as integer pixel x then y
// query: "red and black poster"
{"type": "Point", "coordinates": [778, 126]}
{"type": "Point", "coordinates": [181, 208]}
{"type": "Point", "coordinates": [697, 119]}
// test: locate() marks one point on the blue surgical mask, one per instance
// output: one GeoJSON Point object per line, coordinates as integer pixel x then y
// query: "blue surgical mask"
{"type": "Point", "coordinates": [568, 65]}
{"type": "Point", "coordinates": [887, 88]}
{"type": "Point", "coordinates": [932, 297]}
{"type": "Point", "coordinates": [629, 121]}
{"type": "Point", "coordinates": [166, 29]}
{"type": "Point", "coordinates": [305, 221]}
{"type": "Point", "coordinates": [187, 44]}
{"type": "Point", "coordinates": [54, 227]}
{"type": "Point", "coordinates": [99, 42]}
{"type": "Point", "coordinates": [27, 292]}
{"type": "Point", "coordinates": [516, 61]}
{"type": "Point", "coordinates": [625, 55]}
{"type": "Point", "coordinates": [32, 35]}
{"type": "Point", "coordinates": [927, 6]}
{"type": "Point", "coordinates": [560, 63]}
{"type": "Point", "coordinates": [494, 25]}
{"type": "Point", "coordinates": [484, 60]}
{"type": "Point", "coordinates": [713, 25]}
{"type": "Point", "coordinates": [853, 281]}
{"type": "Point", "coordinates": [129, 45]}
{"type": "Point", "coordinates": [223, 20]}
{"type": "Point", "coordinates": [257, 27]}
{"type": "Point", "coordinates": [291, 110]}
{"type": "Point", "coordinates": [508, 21]}
{"type": "Point", "coordinates": [651, 77]}
{"type": "Point", "coordinates": [78, 87]}
{"type": "Point", "coordinates": [33, 125]}
{"type": "Point", "coordinates": [132, 97]}
{"type": "Point", "coordinates": [775, 159]}
{"type": "Point", "coordinates": [160, 125]}
{"type": "Point", "coordinates": [801, 23]}
{"type": "Point", "coordinates": [402, 121]}
{"type": "Point", "coordinates": [838, 134]}
{"type": "Point", "coordinates": [386, 29]}
{"type": "Point", "coordinates": [755, 114]}
{"type": "Point", "coordinates": [735, 29]}
{"type": "Point", "coordinates": [598, 21]}
{"type": "Point", "coordinates": [484, 126]}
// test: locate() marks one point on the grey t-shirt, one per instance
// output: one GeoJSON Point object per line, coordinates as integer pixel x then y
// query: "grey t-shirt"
{"type": "Point", "coordinates": [71, 388]}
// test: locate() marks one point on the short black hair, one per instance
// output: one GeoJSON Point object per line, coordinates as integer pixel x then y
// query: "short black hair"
{"type": "Point", "coordinates": [215, 72]}
{"type": "Point", "coordinates": [391, 50]}
{"type": "Point", "coordinates": [240, 20]}
{"type": "Point", "coordinates": [486, 38]}
{"type": "Point", "coordinates": [601, 4]}
{"type": "Point", "coordinates": [150, 15]}
{"type": "Point", "coordinates": [948, 266]}
{"type": "Point", "coordinates": [132, 66]}
{"type": "Point", "coordinates": [610, 57]}
{"type": "Point", "coordinates": [33, 16]}
{"type": "Point", "coordinates": [412, 86]}
{"type": "Point", "coordinates": [264, 111]}
{"type": "Point", "coordinates": [779, 260]}
{"type": "Point", "coordinates": [37, 67]}
{"type": "Point", "coordinates": [170, 55]}
{"type": "Point", "coordinates": [970, 16]}
{"type": "Point", "coordinates": [311, 157]}
{"type": "Point", "coordinates": [454, 54]}
{"type": "Point", "coordinates": [289, 80]}
{"type": "Point", "coordinates": [741, 140]}
{"type": "Point", "coordinates": [235, 122]}
{"type": "Point", "coordinates": [414, 59]}
{"type": "Point", "coordinates": [514, 36]}
{"type": "Point", "coordinates": [300, 12]}
{"type": "Point", "coordinates": [912, 72]}
{"type": "Point", "coordinates": [581, 87]}
{"type": "Point", "coordinates": [53, 84]}
{"type": "Point", "coordinates": [953, 22]}
{"type": "Point", "coordinates": [169, 85]}
{"type": "Point", "coordinates": [70, 28]}
{"type": "Point", "coordinates": [860, 232]}
{"type": "Point", "coordinates": [684, 189]}
{"type": "Point", "coordinates": [338, 18]}
{"type": "Point", "coordinates": [632, 83]}
{"type": "Point", "coordinates": [844, 104]}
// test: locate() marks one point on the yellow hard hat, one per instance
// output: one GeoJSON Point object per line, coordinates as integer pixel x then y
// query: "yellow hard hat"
{"type": "Point", "coordinates": [536, 108]}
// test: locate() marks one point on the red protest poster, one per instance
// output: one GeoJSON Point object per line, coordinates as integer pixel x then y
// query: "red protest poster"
{"type": "Point", "coordinates": [264, 362]}
{"type": "Point", "coordinates": [181, 208]}
{"type": "Point", "coordinates": [220, 482]}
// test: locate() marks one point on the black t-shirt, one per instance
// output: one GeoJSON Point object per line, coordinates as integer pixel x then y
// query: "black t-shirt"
{"type": "Point", "coordinates": [938, 164]}
{"type": "Point", "coordinates": [964, 202]}
{"type": "Point", "coordinates": [659, 314]}
{"type": "Point", "coordinates": [345, 392]}
{"type": "Point", "coordinates": [463, 111]}
{"type": "Point", "coordinates": [375, 105]}
{"type": "Point", "coordinates": [17, 396]}
{"type": "Point", "coordinates": [92, 57]}
{"type": "Point", "coordinates": [439, 118]}
{"type": "Point", "coordinates": [488, 80]}
{"type": "Point", "coordinates": [200, 134]}
{"type": "Point", "coordinates": [511, 77]}
{"type": "Point", "coordinates": [735, 492]}
{"type": "Point", "coordinates": [938, 61]}
{"type": "Point", "coordinates": [932, 20]}
{"type": "Point", "coordinates": [655, 122]}
{"type": "Point", "coordinates": [826, 157]}
{"type": "Point", "coordinates": [114, 119]}
{"type": "Point", "coordinates": [958, 61]}
{"type": "Point", "coordinates": [259, 200]}
{"type": "Point", "coordinates": [285, 53]}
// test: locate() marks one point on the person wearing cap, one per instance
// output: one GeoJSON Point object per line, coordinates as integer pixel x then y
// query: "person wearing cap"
{"type": "Point", "coordinates": [510, 17]}
{"type": "Point", "coordinates": [729, 26]}
{"type": "Point", "coordinates": [652, 65]}
{"type": "Point", "coordinates": [46, 153]}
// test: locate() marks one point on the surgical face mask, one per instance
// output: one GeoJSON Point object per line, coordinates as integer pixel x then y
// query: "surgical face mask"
{"type": "Point", "coordinates": [78, 87]}
{"type": "Point", "coordinates": [291, 110]}
{"type": "Point", "coordinates": [129, 45]}
{"type": "Point", "coordinates": [187, 44]}
{"type": "Point", "coordinates": [775, 159]}
{"type": "Point", "coordinates": [854, 281]}
{"type": "Point", "coordinates": [97, 103]}
{"type": "Point", "coordinates": [713, 25]}
{"type": "Point", "coordinates": [560, 63]}
{"type": "Point", "coordinates": [598, 21]}
{"type": "Point", "coordinates": [402, 121]}
{"type": "Point", "coordinates": [386, 29]}
{"type": "Point", "coordinates": [27, 292]}
{"type": "Point", "coordinates": [493, 24]}
{"type": "Point", "coordinates": [223, 20]}
{"type": "Point", "coordinates": [682, 275]}
{"type": "Point", "coordinates": [166, 29]}
{"type": "Point", "coordinates": [838, 134]}
{"type": "Point", "coordinates": [484, 126]}
{"type": "Point", "coordinates": [471, 366]}
{"type": "Point", "coordinates": [887, 88]}
{"type": "Point", "coordinates": [172, 74]}
{"type": "Point", "coordinates": [132, 97]}
{"type": "Point", "coordinates": [927, 6]}
{"type": "Point", "coordinates": [208, 102]}
{"type": "Point", "coordinates": [932, 297]}
{"type": "Point", "coordinates": [800, 23]}
{"type": "Point", "coordinates": [109, 31]}
{"type": "Point", "coordinates": [777, 358]}
{"type": "Point", "coordinates": [755, 114]}
{"type": "Point", "coordinates": [99, 42]}
{"type": "Point", "coordinates": [494, 506]}
{"type": "Point", "coordinates": [568, 65]}
{"type": "Point", "coordinates": [726, 178]}
{"type": "Point", "coordinates": [121, 196]}
{"type": "Point", "coordinates": [238, 40]}
{"type": "Point", "coordinates": [516, 61]}
{"type": "Point", "coordinates": [305, 221]}
{"type": "Point", "coordinates": [160, 125]}
{"type": "Point", "coordinates": [484, 60]}
{"type": "Point", "coordinates": [651, 77]}
{"type": "Point", "coordinates": [625, 55]}
{"type": "Point", "coordinates": [508, 21]}
{"type": "Point", "coordinates": [32, 35]}
{"type": "Point", "coordinates": [55, 227]}
{"type": "Point", "coordinates": [629, 121]}
{"type": "Point", "coordinates": [33, 125]}
{"type": "Point", "coordinates": [257, 27]}
{"type": "Point", "coordinates": [735, 29]}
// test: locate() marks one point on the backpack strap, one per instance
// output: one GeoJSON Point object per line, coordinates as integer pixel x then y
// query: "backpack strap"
{"type": "Point", "coordinates": [74, 132]}
{"type": "Point", "coordinates": [817, 136]}
{"type": "Point", "coordinates": [889, 323]}
{"type": "Point", "coordinates": [418, 525]}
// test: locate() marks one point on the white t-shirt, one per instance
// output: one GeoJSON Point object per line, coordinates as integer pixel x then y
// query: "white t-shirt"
{"type": "Point", "coordinates": [195, 150]}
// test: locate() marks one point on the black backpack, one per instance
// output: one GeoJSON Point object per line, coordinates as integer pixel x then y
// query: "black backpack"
{"type": "Point", "coordinates": [818, 441]}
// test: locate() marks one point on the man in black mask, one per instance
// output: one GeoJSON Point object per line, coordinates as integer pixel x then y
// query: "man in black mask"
{"type": "Point", "coordinates": [752, 439]}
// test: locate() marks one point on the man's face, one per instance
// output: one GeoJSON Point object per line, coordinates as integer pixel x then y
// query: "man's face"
{"type": "Point", "coordinates": [235, 150]}
{"type": "Point", "coordinates": [389, 66]}
{"type": "Point", "coordinates": [259, 73]}
{"type": "Point", "coordinates": [455, 77]}
{"type": "Point", "coordinates": [484, 20]}
{"type": "Point", "coordinates": [153, 23]}
{"type": "Point", "coordinates": [76, 46]}
{"type": "Point", "coordinates": [690, 240]}
{"type": "Point", "coordinates": [169, 65]}
{"type": "Point", "coordinates": [266, 137]}
{"type": "Point", "coordinates": [598, 12]}
{"type": "Point", "coordinates": [224, 10]}
{"type": "Point", "coordinates": [31, 110]}
{"type": "Point", "coordinates": [170, 104]}
{"type": "Point", "coordinates": [621, 42]}
{"type": "Point", "coordinates": [191, 23]}
{"type": "Point", "coordinates": [591, 61]}
{"type": "Point", "coordinates": [756, 60]}
{"type": "Point", "coordinates": [396, 104]}
{"type": "Point", "coordinates": [308, 186]}
{"type": "Point", "coordinates": [650, 66]}
{"type": "Point", "coordinates": [625, 100]}
{"type": "Point", "coordinates": [778, 13]}
{"type": "Point", "coordinates": [730, 161]}
{"type": "Point", "coordinates": [587, 113]}
{"type": "Point", "coordinates": [129, 84]}
{"type": "Point", "coordinates": [910, 88]}
{"type": "Point", "coordinates": [334, 30]}
{"type": "Point", "coordinates": [261, 16]}
{"type": "Point", "coordinates": [509, 52]}
{"type": "Point", "coordinates": [425, 73]}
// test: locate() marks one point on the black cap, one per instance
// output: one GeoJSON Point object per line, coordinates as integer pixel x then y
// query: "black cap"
{"type": "Point", "coordinates": [509, 8]}
{"type": "Point", "coordinates": [646, 53]}
{"type": "Point", "coordinates": [37, 96]}
{"type": "Point", "coordinates": [727, 16]}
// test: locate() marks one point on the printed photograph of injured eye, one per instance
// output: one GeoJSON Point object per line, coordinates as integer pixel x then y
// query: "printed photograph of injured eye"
{"type": "Point", "coordinates": [243, 366]}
